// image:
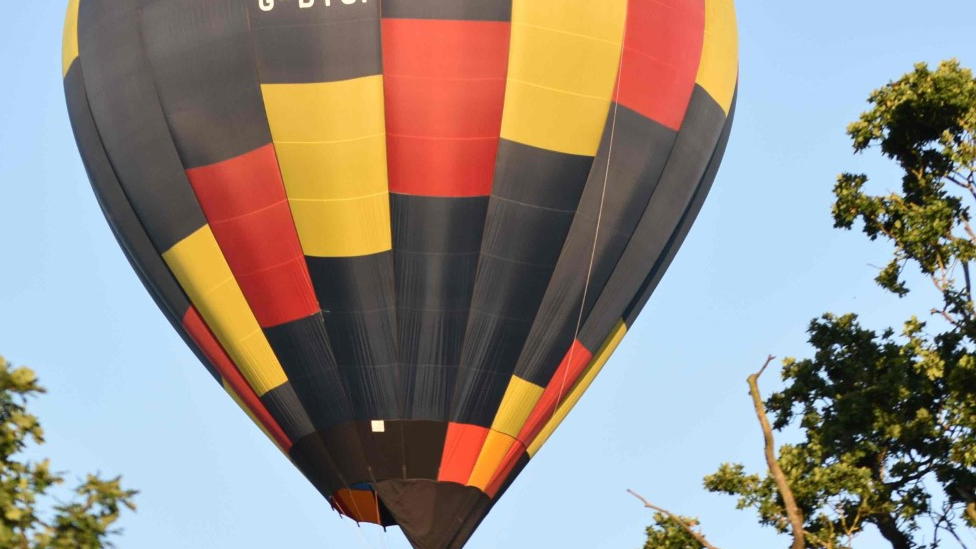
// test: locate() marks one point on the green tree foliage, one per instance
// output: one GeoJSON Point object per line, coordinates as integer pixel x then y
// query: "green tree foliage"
{"type": "Point", "coordinates": [888, 418]}
{"type": "Point", "coordinates": [30, 518]}
{"type": "Point", "coordinates": [667, 533]}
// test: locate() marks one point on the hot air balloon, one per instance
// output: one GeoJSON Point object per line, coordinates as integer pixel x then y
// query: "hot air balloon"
{"type": "Point", "coordinates": [405, 235]}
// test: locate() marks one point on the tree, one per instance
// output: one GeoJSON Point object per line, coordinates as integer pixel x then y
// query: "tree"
{"type": "Point", "coordinates": [889, 417]}
{"type": "Point", "coordinates": [30, 518]}
{"type": "Point", "coordinates": [668, 534]}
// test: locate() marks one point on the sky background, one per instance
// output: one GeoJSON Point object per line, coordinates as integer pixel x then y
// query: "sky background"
{"type": "Point", "coordinates": [126, 397]}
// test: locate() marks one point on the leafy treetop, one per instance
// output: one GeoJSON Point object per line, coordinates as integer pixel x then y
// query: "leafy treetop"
{"type": "Point", "coordinates": [888, 418]}
{"type": "Point", "coordinates": [29, 517]}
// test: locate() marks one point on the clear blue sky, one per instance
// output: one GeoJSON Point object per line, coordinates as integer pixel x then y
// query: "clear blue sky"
{"type": "Point", "coordinates": [127, 397]}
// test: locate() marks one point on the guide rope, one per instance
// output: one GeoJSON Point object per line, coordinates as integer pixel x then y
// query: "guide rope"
{"type": "Point", "coordinates": [599, 220]}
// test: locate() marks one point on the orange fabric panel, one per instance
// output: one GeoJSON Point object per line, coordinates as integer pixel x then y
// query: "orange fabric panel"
{"type": "Point", "coordinates": [497, 447]}
{"type": "Point", "coordinates": [359, 505]}
{"type": "Point", "coordinates": [511, 459]}
{"type": "Point", "coordinates": [461, 451]}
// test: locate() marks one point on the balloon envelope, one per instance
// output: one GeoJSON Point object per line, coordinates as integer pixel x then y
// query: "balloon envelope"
{"type": "Point", "coordinates": [405, 235]}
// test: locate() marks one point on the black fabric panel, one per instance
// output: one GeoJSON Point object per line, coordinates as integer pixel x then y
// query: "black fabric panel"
{"type": "Point", "coordinates": [428, 384]}
{"type": "Point", "coordinates": [634, 309]}
{"type": "Point", "coordinates": [352, 284]}
{"type": "Point", "coordinates": [423, 447]}
{"type": "Point", "coordinates": [640, 152]}
{"type": "Point", "coordinates": [534, 198]}
{"type": "Point", "coordinates": [697, 141]}
{"type": "Point", "coordinates": [383, 450]}
{"type": "Point", "coordinates": [346, 448]}
{"type": "Point", "coordinates": [128, 231]}
{"type": "Point", "coordinates": [356, 296]}
{"type": "Point", "coordinates": [429, 224]}
{"type": "Point", "coordinates": [202, 58]}
{"type": "Point", "coordinates": [522, 233]}
{"type": "Point", "coordinates": [317, 44]}
{"type": "Point", "coordinates": [458, 10]}
{"type": "Point", "coordinates": [544, 178]}
{"type": "Point", "coordinates": [302, 348]}
{"type": "Point", "coordinates": [427, 388]}
{"type": "Point", "coordinates": [435, 242]}
{"type": "Point", "coordinates": [479, 393]}
{"type": "Point", "coordinates": [431, 336]}
{"type": "Point", "coordinates": [373, 388]}
{"type": "Point", "coordinates": [283, 405]}
{"type": "Point", "coordinates": [404, 449]}
{"type": "Point", "coordinates": [386, 517]}
{"type": "Point", "coordinates": [434, 515]}
{"type": "Point", "coordinates": [311, 456]}
{"type": "Point", "coordinates": [332, 458]}
{"type": "Point", "coordinates": [127, 113]}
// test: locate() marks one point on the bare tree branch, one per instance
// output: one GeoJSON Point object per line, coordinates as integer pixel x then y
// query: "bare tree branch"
{"type": "Point", "coordinates": [951, 528]}
{"type": "Point", "coordinates": [698, 537]}
{"type": "Point", "coordinates": [792, 509]}
{"type": "Point", "coordinates": [948, 317]}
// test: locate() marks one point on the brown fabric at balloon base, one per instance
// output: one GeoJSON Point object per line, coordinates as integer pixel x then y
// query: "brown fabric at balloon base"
{"type": "Point", "coordinates": [434, 515]}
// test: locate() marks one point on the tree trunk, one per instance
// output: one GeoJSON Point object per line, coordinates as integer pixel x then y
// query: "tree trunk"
{"type": "Point", "coordinates": [793, 512]}
{"type": "Point", "coordinates": [889, 530]}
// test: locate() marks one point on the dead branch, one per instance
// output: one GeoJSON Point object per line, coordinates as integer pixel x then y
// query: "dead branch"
{"type": "Point", "coordinates": [792, 509]}
{"type": "Point", "coordinates": [687, 528]}
{"type": "Point", "coordinates": [948, 317]}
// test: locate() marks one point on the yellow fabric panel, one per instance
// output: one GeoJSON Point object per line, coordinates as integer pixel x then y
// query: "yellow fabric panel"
{"type": "Point", "coordinates": [519, 401]}
{"type": "Point", "coordinates": [563, 66]}
{"type": "Point", "coordinates": [253, 349]}
{"type": "Point", "coordinates": [342, 169]}
{"type": "Point", "coordinates": [592, 370]}
{"type": "Point", "coordinates": [719, 69]}
{"type": "Point", "coordinates": [344, 228]}
{"type": "Point", "coordinates": [492, 454]}
{"type": "Point", "coordinates": [240, 402]}
{"type": "Point", "coordinates": [568, 62]}
{"type": "Point", "coordinates": [553, 120]}
{"type": "Point", "coordinates": [202, 271]}
{"type": "Point", "coordinates": [69, 43]}
{"type": "Point", "coordinates": [331, 143]}
{"type": "Point", "coordinates": [603, 20]}
{"type": "Point", "coordinates": [328, 111]}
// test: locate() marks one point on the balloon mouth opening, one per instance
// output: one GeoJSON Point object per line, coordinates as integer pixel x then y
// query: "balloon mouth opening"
{"type": "Point", "coordinates": [431, 514]}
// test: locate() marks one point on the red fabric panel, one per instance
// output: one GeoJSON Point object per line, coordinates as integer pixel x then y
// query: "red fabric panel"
{"type": "Point", "coordinates": [461, 450]}
{"type": "Point", "coordinates": [445, 87]}
{"type": "Point", "coordinates": [662, 51]}
{"type": "Point", "coordinates": [247, 209]}
{"type": "Point", "coordinates": [445, 49]}
{"type": "Point", "coordinates": [205, 340]}
{"type": "Point", "coordinates": [441, 167]}
{"type": "Point", "coordinates": [562, 382]}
